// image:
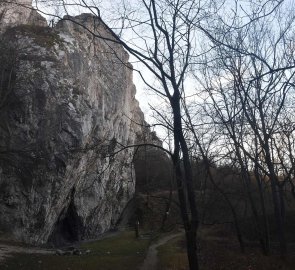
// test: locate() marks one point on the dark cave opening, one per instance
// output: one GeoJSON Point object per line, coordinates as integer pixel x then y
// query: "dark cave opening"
{"type": "Point", "coordinates": [68, 228]}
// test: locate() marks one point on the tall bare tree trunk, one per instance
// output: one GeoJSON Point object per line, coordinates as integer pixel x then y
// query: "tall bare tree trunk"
{"type": "Point", "coordinates": [186, 192]}
{"type": "Point", "coordinates": [276, 202]}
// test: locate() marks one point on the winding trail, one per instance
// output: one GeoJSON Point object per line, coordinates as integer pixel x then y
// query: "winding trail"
{"type": "Point", "coordinates": [151, 259]}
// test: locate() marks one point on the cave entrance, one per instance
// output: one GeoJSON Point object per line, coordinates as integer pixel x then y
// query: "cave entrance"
{"type": "Point", "coordinates": [68, 228]}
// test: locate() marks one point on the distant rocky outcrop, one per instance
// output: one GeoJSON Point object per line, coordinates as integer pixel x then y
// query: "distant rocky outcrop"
{"type": "Point", "coordinates": [67, 104]}
{"type": "Point", "coordinates": [18, 12]}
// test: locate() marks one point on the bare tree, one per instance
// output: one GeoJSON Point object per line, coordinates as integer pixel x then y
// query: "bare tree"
{"type": "Point", "coordinates": [249, 83]}
{"type": "Point", "coordinates": [161, 36]}
{"type": "Point", "coordinates": [246, 79]}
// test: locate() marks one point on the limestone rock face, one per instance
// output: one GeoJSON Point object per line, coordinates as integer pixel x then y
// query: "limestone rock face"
{"type": "Point", "coordinates": [67, 104]}
{"type": "Point", "coordinates": [19, 12]}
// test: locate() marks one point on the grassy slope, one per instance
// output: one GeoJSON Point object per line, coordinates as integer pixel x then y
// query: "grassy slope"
{"type": "Point", "coordinates": [218, 248]}
{"type": "Point", "coordinates": [221, 253]}
{"type": "Point", "coordinates": [172, 255]}
{"type": "Point", "coordinates": [122, 252]}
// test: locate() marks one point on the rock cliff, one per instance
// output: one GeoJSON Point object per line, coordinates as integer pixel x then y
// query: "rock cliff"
{"type": "Point", "coordinates": [13, 13]}
{"type": "Point", "coordinates": [67, 101]}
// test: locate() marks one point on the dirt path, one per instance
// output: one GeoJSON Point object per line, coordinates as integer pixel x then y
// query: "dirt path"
{"type": "Point", "coordinates": [151, 259]}
{"type": "Point", "coordinates": [8, 250]}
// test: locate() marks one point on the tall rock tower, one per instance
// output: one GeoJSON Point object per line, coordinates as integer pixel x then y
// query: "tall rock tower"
{"type": "Point", "coordinates": [69, 108]}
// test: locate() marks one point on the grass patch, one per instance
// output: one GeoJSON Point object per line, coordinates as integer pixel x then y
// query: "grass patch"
{"type": "Point", "coordinates": [221, 252]}
{"type": "Point", "coordinates": [172, 255]}
{"type": "Point", "coordinates": [122, 252]}
{"type": "Point", "coordinates": [225, 254]}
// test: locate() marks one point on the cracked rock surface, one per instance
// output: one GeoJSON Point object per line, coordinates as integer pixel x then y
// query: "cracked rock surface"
{"type": "Point", "coordinates": [67, 101]}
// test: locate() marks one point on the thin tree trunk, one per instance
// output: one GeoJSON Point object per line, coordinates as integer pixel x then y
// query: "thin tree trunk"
{"type": "Point", "coordinates": [185, 185]}
{"type": "Point", "coordinates": [207, 164]}
{"type": "Point", "coordinates": [276, 201]}
{"type": "Point", "coordinates": [247, 181]}
{"type": "Point", "coordinates": [264, 214]}
{"type": "Point", "coordinates": [167, 209]}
